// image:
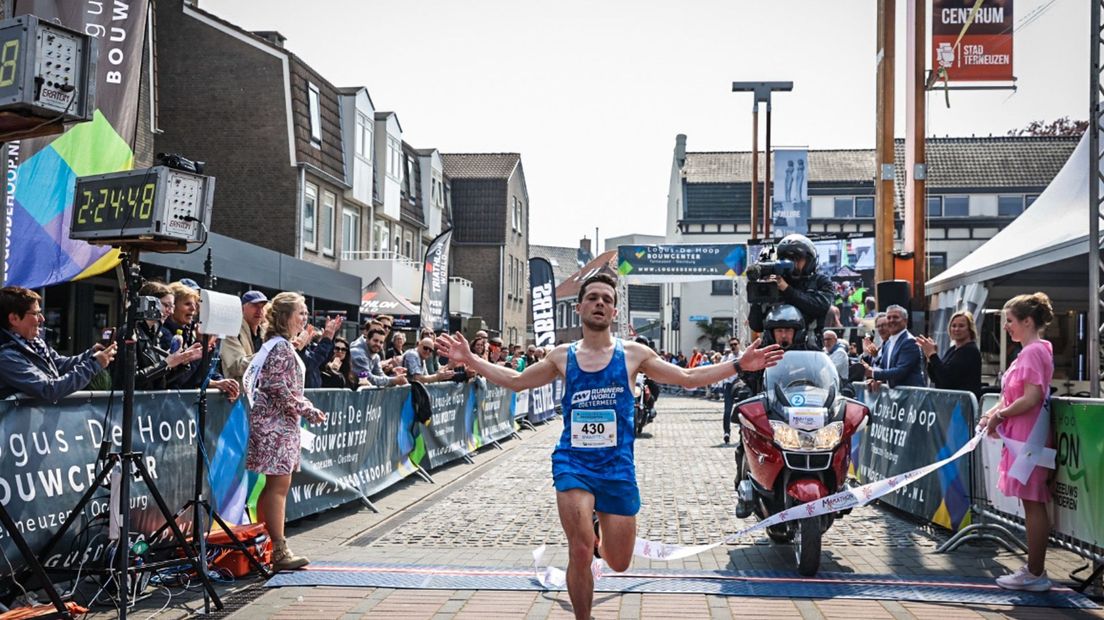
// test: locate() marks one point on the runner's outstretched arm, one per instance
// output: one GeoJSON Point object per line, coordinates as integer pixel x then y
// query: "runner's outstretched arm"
{"type": "Point", "coordinates": [455, 347]}
{"type": "Point", "coordinates": [753, 359]}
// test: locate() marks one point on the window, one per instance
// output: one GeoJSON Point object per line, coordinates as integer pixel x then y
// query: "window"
{"type": "Point", "coordinates": [310, 211]}
{"type": "Point", "coordinates": [396, 240]}
{"type": "Point", "coordinates": [381, 236]}
{"type": "Point", "coordinates": [1010, 206]}
{"type": "Point", "coordinates": [864, 206]}
{"type": "Point", "coordinates": [937, 263]}
{"type": "Point", "coordinates": [394, 159]}
{"type": "Point", "coordinates": [350, 230]}
{"type": "Point", "coordinates": [408, 244]}
{"type": "Point", "coordinates": [935, 206]}
{"type": "Point", "coordinates": [329, 213]}
{"type": "Point", "coordinates": [362, 137]}
{"type": "Point", "coordinates": [956, 206]}
{"type": "Point", "coordinates": [315, 108]}
{"type": "Point", "coordinates": [411, 184]}
{"type": "Point", "coordinates": [845, 207]}
{"type": "Point", "coordinates": [721, 287]}
{"type": "Point", "coordinates": [1030, 200]}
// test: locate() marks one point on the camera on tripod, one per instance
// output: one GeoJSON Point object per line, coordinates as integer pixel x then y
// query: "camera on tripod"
{"type": "Point", "coordinates": [762, 291]}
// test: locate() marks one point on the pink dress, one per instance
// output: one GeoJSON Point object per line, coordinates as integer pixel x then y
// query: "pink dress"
{"type": "Point", "coordinates": [273, 446]}
{"type": "Point", "coordinates": [1034, 365]}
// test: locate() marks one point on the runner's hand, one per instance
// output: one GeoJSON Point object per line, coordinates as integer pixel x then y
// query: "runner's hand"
{"type": "Point", "coordinates": [756, 358]}
{"type": "Point", "coordinates": [456, 348]}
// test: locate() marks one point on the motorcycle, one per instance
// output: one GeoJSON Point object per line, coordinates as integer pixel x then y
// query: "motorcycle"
{"type": "Point", "coordinates": [796, 449]}
{"type": "Point", "coordinates": [645, 393]}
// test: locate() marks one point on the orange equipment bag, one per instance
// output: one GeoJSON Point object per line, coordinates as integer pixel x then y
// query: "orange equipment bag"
{"type": "Point", "coordinates": [255, 538]}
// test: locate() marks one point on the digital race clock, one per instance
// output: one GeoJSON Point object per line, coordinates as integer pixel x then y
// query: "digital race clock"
{"type": "Point", "coordinates": [157, 204]}
{"type": "Point", "coordinates": [47, 77]}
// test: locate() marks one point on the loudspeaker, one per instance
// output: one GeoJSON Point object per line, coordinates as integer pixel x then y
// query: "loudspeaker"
{"type": "Point", "coordinates": [893, 292]}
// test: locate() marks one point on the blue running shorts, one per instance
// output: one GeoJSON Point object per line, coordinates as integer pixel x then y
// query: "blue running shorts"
{"type": "Point", "coordinates": [610, 496]}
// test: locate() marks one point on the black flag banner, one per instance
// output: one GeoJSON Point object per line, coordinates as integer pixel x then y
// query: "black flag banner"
{"type": "Point", "coordinates": [542, 286]}
{"type": "Point", "coordinates": [435, 283]}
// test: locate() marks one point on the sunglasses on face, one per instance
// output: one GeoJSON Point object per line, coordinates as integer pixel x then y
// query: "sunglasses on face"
{"type": "Point", "coordinates": [427, 349]}
{"type": "Point", "coordinates": [340, 350]}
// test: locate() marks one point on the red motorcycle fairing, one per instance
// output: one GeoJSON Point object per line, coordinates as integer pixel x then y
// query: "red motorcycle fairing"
{"type": "Point", "coordinates": [853, 415]}
{"type": "Point", "coordinates": [806, 490]}
{"type": "Point", "coordinates": [764, 459]}
{"type": "Point", "coordinates": [754, 412]}
{"type": "Point", "coordinates": [841, 460]}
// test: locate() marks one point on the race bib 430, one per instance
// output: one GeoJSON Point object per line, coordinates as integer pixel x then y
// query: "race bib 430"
{"type": "Point", "coordinates": [595, 428]}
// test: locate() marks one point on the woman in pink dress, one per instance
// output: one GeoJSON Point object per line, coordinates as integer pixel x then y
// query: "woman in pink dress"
{"type": "Point", "coordinates": [1024, 388]}
{"type": "Point", "coordinates": [277, 399]}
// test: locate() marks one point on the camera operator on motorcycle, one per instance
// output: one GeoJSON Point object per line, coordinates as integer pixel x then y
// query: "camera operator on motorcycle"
{"type": "Point", "coordinates": [801, 287]}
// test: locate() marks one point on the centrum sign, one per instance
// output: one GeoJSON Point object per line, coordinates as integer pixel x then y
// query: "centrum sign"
{"type": "Point", "coordinates": [972, 41]}
{"type": "Point", "coordinates": [682, 262]}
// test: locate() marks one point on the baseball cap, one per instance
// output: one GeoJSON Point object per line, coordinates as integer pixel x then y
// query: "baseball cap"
{"type": "Point", "coordinates": [253, 297]}
{"type": "Point", "coordinates": [190, 283]}
{"type": "Point", "coordinates": [496, 341]}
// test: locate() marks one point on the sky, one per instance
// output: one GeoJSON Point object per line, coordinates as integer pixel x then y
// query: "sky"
{"type": "Point", "coordinates": [592, 94]}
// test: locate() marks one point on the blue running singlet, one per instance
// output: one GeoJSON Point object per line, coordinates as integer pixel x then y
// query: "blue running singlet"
{"type": "Point", "coordinates": [597, 438]}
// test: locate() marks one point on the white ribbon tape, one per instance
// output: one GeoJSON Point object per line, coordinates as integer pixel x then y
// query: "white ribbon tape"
{"type": "Point", "coordinates": [551, 577]}
{"type": "Point", "coordinates": [1027, 455]}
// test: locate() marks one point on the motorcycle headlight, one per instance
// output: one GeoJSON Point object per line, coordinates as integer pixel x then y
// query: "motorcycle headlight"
{"type": "Point", "coordinates": [786, 436]}
{"type": "Point", "coordinates": [790, 438]}
{"type": "Point", "coordinates": [828, 437]}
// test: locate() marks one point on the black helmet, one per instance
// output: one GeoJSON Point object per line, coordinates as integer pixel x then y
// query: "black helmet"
{"type": "Point", "coordinates": [784, 316]}
{"type": "Point", "coordinates": [796, 246]}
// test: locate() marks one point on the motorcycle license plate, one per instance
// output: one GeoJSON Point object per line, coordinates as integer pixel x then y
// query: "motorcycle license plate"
{"type": "Point", "coordinates": [807, 418]}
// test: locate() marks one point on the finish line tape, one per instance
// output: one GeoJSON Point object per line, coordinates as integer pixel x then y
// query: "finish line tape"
{"type": "Point", "coordinates": [553, 577]}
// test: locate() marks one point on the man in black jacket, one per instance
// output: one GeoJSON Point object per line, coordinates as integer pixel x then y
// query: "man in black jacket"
{"type": "Point", "coordinates": [805, 289]}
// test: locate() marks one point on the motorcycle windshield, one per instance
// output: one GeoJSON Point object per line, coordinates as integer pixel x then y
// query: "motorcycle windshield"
{"type": "Point", "coordinates": [802, 379]}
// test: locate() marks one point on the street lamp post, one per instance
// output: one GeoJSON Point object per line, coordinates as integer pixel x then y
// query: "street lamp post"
{"type": "Point", "coordinates": [762, 92]}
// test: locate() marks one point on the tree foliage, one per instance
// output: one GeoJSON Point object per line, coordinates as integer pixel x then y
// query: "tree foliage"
{"type": "Point", "coordinates": [1059, 127]}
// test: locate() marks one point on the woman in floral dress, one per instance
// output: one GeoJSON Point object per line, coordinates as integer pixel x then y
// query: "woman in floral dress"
{"type": "Point", "coordinates": [274, 383]}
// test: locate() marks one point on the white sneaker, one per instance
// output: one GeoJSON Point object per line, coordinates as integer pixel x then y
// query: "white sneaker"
{"type": "Point", "coordinates": [1024, 580]}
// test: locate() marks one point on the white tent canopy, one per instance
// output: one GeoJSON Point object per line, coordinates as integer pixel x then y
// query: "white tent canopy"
{"type": "Point", "coordinates": [1054, 228]}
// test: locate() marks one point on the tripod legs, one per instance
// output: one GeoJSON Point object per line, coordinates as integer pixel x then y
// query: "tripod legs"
{"type": "Point", "coordinates": [199, 564]}
{"type": "Point", "coordinates": [33, 563]}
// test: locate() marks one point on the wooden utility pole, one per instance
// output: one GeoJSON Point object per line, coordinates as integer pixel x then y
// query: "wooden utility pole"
{"type": "Point", "coordinates": [884, 157]}
{"type": "Point", "coordinates": [915, 159]}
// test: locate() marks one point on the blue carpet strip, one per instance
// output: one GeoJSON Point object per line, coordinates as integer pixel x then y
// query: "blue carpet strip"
{"type": "Point", "coordinates": [726, 583]}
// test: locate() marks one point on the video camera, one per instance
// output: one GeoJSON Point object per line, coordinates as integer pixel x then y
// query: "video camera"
{"type": "Point", "coordinates": [149, 308]}
{"type": "Point", "coordinates": [761, 291]}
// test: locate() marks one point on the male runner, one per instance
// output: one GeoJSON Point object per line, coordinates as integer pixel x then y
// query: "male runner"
{"type": "Point", "coordinates": [592, 465]}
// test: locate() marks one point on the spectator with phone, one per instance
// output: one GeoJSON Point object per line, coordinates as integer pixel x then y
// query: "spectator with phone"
{"type": "Point", "coordinates": [317, 351]}
{"type": "Point", "coordinates": [28, 364]}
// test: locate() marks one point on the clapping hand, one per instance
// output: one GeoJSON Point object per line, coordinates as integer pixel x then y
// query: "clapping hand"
{"type": "Point", "coordinates": [927, 346]}
{"type": "Point", "coordinates": [332, 325]}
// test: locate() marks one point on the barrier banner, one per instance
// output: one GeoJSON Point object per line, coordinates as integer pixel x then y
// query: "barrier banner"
{"type": "Point", "coordinates": [1079, 489]}
{"type": "Point", "coordinates": [542, 406]}
{"type": "Point", "coordinates": [449, 434]}
{"type": "Point", "coordinates": [682, 262]}
{"type": "Point", "coordinates": [49, 456]}
{"type": "Point", "coordinates": [362, 448]}
{"type": "Point", "coordinates": [496, 415]}
{"type": "Point", "coordinates": [909, 428]}
{"type": "Point", "coordinates": [522, 403]}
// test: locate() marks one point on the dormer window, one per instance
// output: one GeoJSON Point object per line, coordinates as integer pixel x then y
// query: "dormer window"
{"type": "Point", "coordinates": [314, 105]}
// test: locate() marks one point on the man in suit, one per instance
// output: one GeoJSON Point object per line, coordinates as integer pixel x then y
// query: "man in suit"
{"type": "Point", "coordinates": [899, 364]}
{"type": "Point", "coordinates": [30, 366]}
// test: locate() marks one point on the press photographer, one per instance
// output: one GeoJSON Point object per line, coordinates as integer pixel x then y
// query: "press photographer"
{"type": "Point", "coordinates": [793, 279]}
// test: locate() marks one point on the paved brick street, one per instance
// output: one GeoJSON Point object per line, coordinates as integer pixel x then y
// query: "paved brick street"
{"type": "Point", "coordinates": [495, 512]}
